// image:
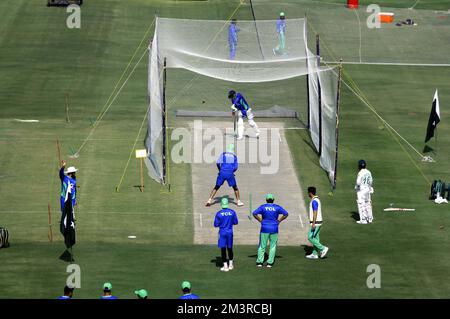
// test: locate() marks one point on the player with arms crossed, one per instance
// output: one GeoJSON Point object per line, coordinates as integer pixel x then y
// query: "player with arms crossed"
{"type": "Point", "coordinates": [227, 164]}
{"type": "Point", "coordinates": [243, 110]}
{"type": "Point", "coordinates": [225, 219]}
{"type": "Point", "coordinates": [363, 189]}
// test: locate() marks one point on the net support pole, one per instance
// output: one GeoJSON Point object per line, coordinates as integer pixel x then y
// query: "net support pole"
{"type": "Point", "coordinates": [338, 99]}
{"type": "Point", "coordinates": [256, 28]}
{"type": "Point", "coordinates": [307, 76]}
{"type": "Point", "coordinates": [320, 93]}
{"type": "Point", "coordinates": [164, 157]}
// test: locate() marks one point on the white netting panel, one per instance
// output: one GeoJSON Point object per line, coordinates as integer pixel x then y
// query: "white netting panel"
{"type": "Point", "coordinates": [202, 46]}
{"type": "Point", "coordinates": [329, 90]}
{"type": "Point", "coordinates": [154, 140]}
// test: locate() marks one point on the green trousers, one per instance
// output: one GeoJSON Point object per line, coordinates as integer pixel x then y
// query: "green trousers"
{"type": "Point", "coordinates": [314, 239]}
{"type": "Point", "coordinates": [263, 238]}
{"type": "Point", "coordinates": [280, 49]}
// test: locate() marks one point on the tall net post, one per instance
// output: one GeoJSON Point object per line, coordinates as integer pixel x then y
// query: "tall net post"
{"type": "Point", "coordinates": [338, 99]}
{"type": "Point", "coordinates": [164, 117]}
{"type": "Point", "coordinates": [320, 94]}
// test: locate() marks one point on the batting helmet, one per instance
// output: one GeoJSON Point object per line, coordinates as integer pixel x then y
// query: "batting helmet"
{"type": "Point", "coordinates": [231, 94]}
{"type": "Point", "coordinates": [362, 164]}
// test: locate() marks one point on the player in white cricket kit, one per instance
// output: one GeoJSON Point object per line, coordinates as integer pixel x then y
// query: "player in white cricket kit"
{"type": "Point", "coordinates": [364, 189]}
{"type": "Point", "coordinates": [243, 110]}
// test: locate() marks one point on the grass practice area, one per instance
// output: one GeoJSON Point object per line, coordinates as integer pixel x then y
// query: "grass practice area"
{"type": "Point", "coordinates": [87, 88]}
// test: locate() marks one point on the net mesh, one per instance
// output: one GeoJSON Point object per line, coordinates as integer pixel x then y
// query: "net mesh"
{"type": "Point", "coordinates": [202, 47]}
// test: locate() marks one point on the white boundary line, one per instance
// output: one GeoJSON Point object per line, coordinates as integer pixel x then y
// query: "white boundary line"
{"type": "Point", "coordinates": [392, 63]}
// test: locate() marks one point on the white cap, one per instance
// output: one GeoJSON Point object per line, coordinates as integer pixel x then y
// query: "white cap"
{"type": "Point", "coordinates": [71, 169]}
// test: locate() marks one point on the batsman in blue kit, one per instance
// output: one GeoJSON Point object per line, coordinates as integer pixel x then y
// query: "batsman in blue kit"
{"type": "Point", "coordinates": [243, 110]}
{"type": "Point", "coordinates": [268, 215]}
{"type": "Point", "coordinates": [227, 164]}
{"type": "Point", "coordinates": [225, 219]}
{"type": "Point", "coordinates": [233, 38]}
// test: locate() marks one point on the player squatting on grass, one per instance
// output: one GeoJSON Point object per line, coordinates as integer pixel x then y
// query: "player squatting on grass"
{"type": "Point", "coordinates": [227, 164]}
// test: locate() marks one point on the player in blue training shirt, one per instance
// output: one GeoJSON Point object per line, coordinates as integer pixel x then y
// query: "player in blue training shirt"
{"type": "Point", "coordinates": [225, 219]}
{"type": "Point", "coordinates": [68, 185]}
{"type": "Point", "coordinates": [281, 31]}
{"type": "Point", "coordinates": [68, 293]}
{"type": "Point", "coordinates": [268, 216]}
{"type": "Point", "coordinates": [240, 105]}
{"type": "Point", "coordinates": [233, 38]}
{"type": "Point", "coordinates": [107, 292]}
{"type": "Point", "coordinates": [227, 164]}
{"type": "Point", "coordinates": [187, 294]}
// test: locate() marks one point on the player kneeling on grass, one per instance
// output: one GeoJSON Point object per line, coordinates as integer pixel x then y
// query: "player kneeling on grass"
{"type": "Point", "coordinates": [315, 220]}
{"type": "Point", "coordinates": [268, 216]}
{"type": "Point", "coordinates": [227, 164]}
{"type": "Point", "coordinates": [243, 110]}
{"type": "Point", "coordinates": [363, 189]}
{"type": "Point", "coordinates": [225, 219]}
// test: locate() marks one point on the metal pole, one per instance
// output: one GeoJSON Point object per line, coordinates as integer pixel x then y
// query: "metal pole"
{"type": "Point", "coordinates": [338, 100]}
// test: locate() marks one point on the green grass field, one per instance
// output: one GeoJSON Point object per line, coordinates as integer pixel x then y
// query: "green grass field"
{"type": "Point", "coordinates": [41, 61]}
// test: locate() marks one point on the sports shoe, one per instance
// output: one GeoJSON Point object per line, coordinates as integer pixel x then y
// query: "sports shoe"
{"type": "Point", "coordinates": [230, 265]}
{"type": "Point", "coordinates": [362, 222]}
{"type": "Point", "coordinates": [370, 220]}
{"type": "Point", "coordinates": [209, 202]}
{"type": "Point", "coordinates": [224, 268]}
{"type": "Point", "coordinates": [312, 256]}
{"type": "Point", "coordinates": [240, 203]}
{"type": "Point", "coordinates": [269, 265]}
{"type": "Point", "coordinates": [323, 253]}
{"type": "Point", "coordinates": [259, 265]}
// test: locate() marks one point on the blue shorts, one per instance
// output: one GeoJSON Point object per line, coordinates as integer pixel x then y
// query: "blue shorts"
{"type": "Point", "coordinates": [229, 178]}
{"type": "Point", "coordinates": [225, 240]}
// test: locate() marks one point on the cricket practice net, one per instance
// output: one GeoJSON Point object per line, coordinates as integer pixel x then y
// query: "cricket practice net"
{"type": "Point", "coordinates": [202, 47]}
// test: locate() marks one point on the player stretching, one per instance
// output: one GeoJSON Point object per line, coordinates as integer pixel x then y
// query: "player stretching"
{"type": "Point", "coordinates": [243, 110]}
{"type": "Point", "coordinates": [225, 219]}
{"type": "Point", "coordinates": [227, 164]}
{"type": "Point", "coordinates": [363, 189]}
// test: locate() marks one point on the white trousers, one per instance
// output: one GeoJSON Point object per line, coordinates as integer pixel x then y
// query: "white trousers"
{"type": "Point", "coordinates": [364, 202]}
{"type": "Point", "coordinates": [251, 122]}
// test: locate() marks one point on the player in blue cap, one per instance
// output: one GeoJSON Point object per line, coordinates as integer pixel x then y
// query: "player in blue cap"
{"type": "Point", "coordinates": [243, 110]}
{"type": "Point", "coordinates": [225, 219]}
{"type": "Point", "coordinates": [268, 215]}
{"type": "Point", "coordinates": [227, 164]}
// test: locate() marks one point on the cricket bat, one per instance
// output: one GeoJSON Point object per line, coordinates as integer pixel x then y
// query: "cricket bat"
{"type": "Point", "coordinates": [394, 209]}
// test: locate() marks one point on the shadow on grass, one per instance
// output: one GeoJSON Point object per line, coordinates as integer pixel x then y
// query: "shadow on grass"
{"type": "Point", "coordinates": [354, 215]}
{"type": "Point", "coordinates": [67, 256]}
